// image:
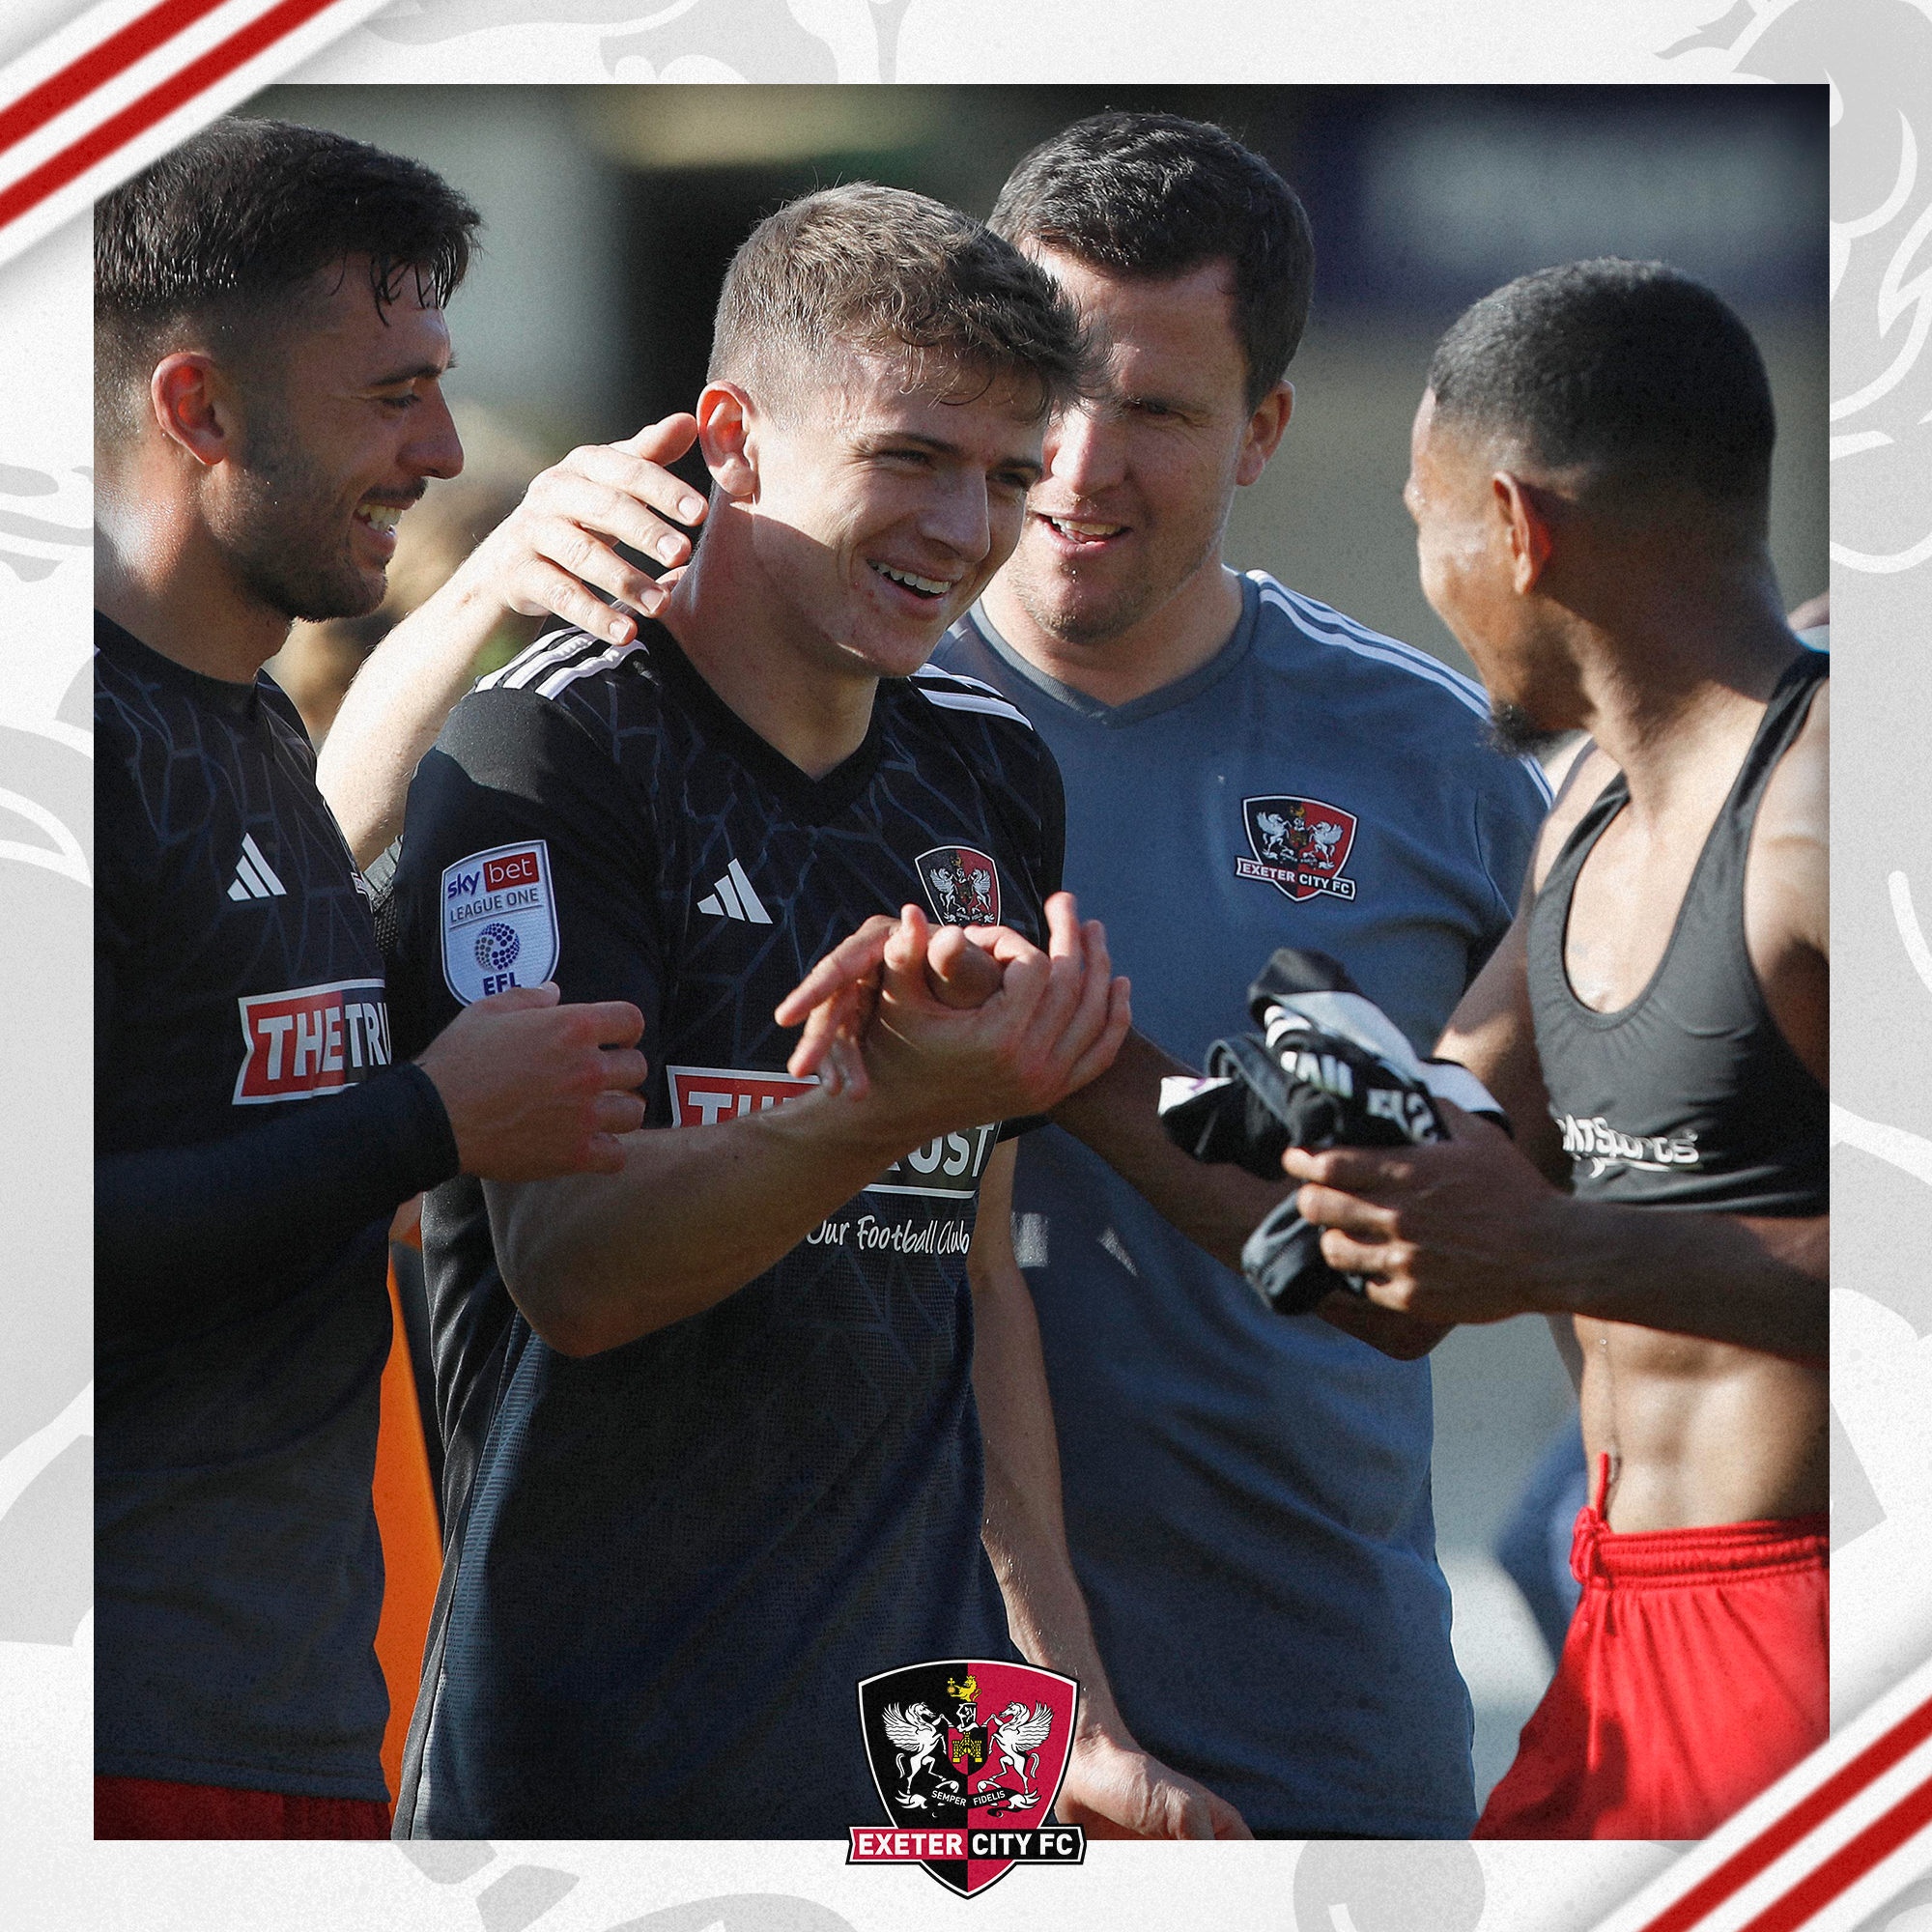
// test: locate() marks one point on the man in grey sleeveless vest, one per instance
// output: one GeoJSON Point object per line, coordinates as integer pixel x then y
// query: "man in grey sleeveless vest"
{"type": "Point", "coordinates": [1656, 1024]}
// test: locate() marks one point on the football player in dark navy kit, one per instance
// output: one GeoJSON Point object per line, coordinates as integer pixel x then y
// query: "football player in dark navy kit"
{"type": "Point", "coordinates": [270, 339]}
{"type": "Point", "coordinates": [763, 1414]}
{"type": "Point", "coordinates": [1656, 1024]}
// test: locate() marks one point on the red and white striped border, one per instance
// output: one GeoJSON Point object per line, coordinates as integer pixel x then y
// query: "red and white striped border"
{"type": "Point", "coordinates": [99, 99]}
{"type": "Point", "coordinates": [1824, 1848]}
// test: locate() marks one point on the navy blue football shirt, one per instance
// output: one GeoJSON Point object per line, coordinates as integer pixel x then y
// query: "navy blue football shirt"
{"type": "Point", "coordinates": [669, 1564]}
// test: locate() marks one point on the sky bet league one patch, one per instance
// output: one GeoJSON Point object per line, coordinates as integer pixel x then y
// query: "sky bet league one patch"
{"type": "Point", "coordinates": [968, 1758]}
{"type": "Point", "coordinates": [498, 921]}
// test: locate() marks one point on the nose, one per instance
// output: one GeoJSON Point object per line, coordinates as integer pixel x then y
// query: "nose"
{"type": "Point", "coordinates": [1083, 454]}
{"type": "Point", "coordinates": [434, 449]}
{"type": "Point", "coordinates": [959, 516]}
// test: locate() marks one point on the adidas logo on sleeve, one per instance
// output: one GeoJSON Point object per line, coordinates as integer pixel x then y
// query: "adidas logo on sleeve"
{"type": "Point", "coordinates": [732, 896]}
{"type": "Point", "coordinates": [254, 877]}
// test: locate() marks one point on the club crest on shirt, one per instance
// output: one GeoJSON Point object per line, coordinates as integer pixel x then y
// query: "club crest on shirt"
{"type": "Point", "coordinates": [1300, 846]}
{"type": "Point", "coordinates": [967, 1757]}
{"type": "Point", "coordinates": [498, 921]}
{"type": "Point", "coordinates": [963, 885]}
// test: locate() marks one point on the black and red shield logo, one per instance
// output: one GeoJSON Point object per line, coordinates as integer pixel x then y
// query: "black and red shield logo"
{"type": "Point", "coordinates": [1300, 846]}
{"type": "Point", "coordinates": [968, 1758]}
{"type": "Point", "coordinates": [962, 886]}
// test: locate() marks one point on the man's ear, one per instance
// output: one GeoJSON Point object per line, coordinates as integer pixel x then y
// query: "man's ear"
{"type": "Point", "coordinates": [195, 407]}
{"type": "Point", "coordinates": [728, 435]}
{"type": "Point", "coordinates": [1526, 512]}
{"type": "Point", "coordinates": [1264, 432]}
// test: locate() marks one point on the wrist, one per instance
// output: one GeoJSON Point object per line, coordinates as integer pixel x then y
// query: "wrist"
{"type": "Point", "coordinates": [1562, 1257]}
{"type": "Point", "coordinates": [867, 1131]}
{"type": "Point", "coordinates": [1100, 1724]}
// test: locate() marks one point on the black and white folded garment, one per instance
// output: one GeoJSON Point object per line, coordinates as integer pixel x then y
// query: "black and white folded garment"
{"type": "Point", "coordinates": [1330, 1069]}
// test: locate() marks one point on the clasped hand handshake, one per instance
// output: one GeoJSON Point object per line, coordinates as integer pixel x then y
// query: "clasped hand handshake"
{"type": "Point", "coordinates": [960, 1024]}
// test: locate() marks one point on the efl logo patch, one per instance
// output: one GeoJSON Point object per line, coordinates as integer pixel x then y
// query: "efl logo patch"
{"type": "Point", "coordinates": [962, 886]}
{"type": "Point", "coordinates": [498, 921]}
{"type": "Point", "coordinates": [314, 1039]}
{"type": "Point", "coordinates": [1300, 846]}
{"type": "Point", "coordinates": [968, 1758]}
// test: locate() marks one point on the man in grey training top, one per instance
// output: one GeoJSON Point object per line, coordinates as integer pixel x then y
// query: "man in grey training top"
{"type": "Point", "coordinates": [1247, 1496]}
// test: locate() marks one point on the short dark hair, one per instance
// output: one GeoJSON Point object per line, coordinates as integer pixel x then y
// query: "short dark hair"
{"type": "Point", "coordinates": [880, 268]}
{"type": "Point", "coordinates": [223, 232]}
{"type": "Point", "coordinates": [1155, 195]}
{"type": "Point", "coordinates": [1628, 369]}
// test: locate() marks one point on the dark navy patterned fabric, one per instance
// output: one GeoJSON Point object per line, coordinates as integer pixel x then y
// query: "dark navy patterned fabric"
{"type": "Point", "coordinates": [254, 1146]}
{"type": "Point", "coordinates": [671, 1563]}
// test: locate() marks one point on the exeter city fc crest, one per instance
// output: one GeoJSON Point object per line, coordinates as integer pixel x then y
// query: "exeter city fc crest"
{"type": "Point", "coordinates": [1300, 846]}
{"type": "Point", "coordinates": [968, 1758]}
{"type": "Point", "coordinates": [962, 886]}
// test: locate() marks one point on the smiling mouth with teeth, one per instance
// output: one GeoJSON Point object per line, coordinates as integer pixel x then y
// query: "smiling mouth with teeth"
{"type": "Point", "coordinates": [924, 586]}
{"type": "Point", "coordinates": [1082, 532]}
{"type": "Point", "coordinates": [382, 517]}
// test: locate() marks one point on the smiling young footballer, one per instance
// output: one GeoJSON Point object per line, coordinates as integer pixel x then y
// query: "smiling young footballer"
{"type": "Point", "coordinates": [723, 1434]}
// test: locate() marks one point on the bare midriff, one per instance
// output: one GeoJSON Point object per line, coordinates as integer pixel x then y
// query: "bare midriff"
{"type": "Point", "coordinates": [1700, 1432]}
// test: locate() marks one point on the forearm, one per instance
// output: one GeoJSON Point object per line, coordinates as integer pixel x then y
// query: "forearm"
{"type": "Point", "coordinates": [394, 709]}
{"type": "Point", "coordinates": [1402, 1337]}
{"type": "Point", "coordinates": [1216, 1207]}
{"type": "Point", "coordinates": [1025, 1531]}
{"type": "Point", "coordinates": [181, 1233]}
{"type": "Point", "coordinates": [696, 1213]}
{"type": "Point", "coordinates": [1755, 1282]}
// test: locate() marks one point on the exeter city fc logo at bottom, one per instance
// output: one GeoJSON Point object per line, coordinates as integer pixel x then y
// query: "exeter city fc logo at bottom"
{"type": "Point", "coordinates": [968, 1758]}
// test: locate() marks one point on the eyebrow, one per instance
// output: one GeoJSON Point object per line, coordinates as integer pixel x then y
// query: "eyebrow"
{"type": "Point", "coordinates": [1130, 394]}
{"type": "Point", "coordinates": [431, 370]}
{"type": "Point", "coordinates": [940, 446]}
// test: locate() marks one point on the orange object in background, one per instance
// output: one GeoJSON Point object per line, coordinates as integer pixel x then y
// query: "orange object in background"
{"type": "Point", "coordinates": [412, 1542]}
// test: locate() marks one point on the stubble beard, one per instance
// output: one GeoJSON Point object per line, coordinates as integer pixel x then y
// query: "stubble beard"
{"type": "Point", "coordinates": [1065, 619]}
{"type": "Point", "coordinates": [288, 546]}
{"type": "Point", "coordinates": [1515, 733]}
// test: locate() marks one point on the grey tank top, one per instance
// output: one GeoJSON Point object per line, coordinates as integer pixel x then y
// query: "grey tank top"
{"type": "Point", "coordinates": [1689, 1096]}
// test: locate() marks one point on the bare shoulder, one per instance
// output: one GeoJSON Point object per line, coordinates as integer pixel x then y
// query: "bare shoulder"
{"type": "Point", "coordinates": [1590, 771]}
{"type": "Point", "coordinates": [1787, 881]}
{"type": "Point", "coordinates": [1790, 856]}
{"type": "Point", "coordinates": [1798, 798]}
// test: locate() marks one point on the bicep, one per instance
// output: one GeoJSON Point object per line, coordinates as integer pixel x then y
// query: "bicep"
{"type": "Point", "coordinates": [1492, 1033]}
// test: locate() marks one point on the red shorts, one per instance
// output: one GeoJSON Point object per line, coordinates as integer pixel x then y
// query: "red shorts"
{"type": "Point", "coordinates": [150, 1808]}
{"type": "Point", "coordinates": [1694, 1674]}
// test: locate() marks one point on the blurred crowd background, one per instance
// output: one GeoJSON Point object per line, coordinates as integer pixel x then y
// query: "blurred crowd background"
{"type": "Point", "coordinates": [611, 213]}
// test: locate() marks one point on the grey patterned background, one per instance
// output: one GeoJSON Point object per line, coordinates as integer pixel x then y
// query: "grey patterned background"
{"type": "Point", "coordinates": [1878, 57]}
